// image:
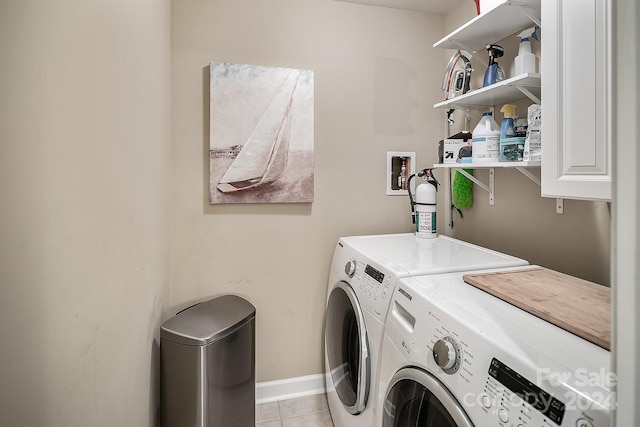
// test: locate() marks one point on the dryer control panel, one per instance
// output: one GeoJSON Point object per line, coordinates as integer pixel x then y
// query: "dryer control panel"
{"type": "Point", "coordinates": [375, 283]}
{"type": "Point", "coordinates": [372, 282]}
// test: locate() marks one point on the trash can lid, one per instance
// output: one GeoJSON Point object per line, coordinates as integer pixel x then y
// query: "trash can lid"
{"type": "Point", "coordinates": [208, 321]}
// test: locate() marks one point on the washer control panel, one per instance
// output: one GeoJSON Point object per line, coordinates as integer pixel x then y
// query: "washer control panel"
{"type": "Point", "coordinates": [514, 397]}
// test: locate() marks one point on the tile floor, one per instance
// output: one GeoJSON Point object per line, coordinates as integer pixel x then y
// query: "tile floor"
{"type": "Point", "coordinates": [310, 411]}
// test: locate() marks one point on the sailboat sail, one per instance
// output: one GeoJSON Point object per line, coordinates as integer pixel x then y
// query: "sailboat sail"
{"type": "Point", "coordinates": [263, 157]}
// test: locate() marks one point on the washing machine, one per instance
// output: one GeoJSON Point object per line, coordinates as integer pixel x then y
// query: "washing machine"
{"type": "Point", "coordinates": [363, 276]}
{"type": "Point", "coordinates": [455, 356]}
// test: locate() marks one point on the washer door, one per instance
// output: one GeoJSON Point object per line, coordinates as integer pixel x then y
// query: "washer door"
{"type": "Point", "coordinates": [347, 348]}
{"type": "Point", "coordinates": [416, 398]}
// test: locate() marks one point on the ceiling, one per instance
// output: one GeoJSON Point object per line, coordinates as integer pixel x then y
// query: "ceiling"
{"type": "Point", "coordinates": [440, 7]}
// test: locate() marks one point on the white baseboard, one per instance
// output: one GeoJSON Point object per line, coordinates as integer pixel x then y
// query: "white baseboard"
{"type": "Point", "coordinates": [289, 388]}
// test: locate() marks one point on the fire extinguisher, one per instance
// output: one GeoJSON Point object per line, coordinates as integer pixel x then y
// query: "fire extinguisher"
{"type": "Point", "coordinates": [423, 208]}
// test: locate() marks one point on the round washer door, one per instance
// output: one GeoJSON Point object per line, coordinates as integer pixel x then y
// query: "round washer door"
{"type": "Point", "coordinates": [416, 398]}
{"type": "Point", "coordinates": [347, 348]}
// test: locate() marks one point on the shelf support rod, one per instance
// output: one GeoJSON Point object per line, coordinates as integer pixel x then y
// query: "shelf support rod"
{"type": "Point", "coordinates": [528, 174]}
{"type": "Point", "coordinates": [474, 179]}
{"type": "Point", "coordinates": [471, 52]}
{"type": "Point", "coordinates": [489, 189]}
{"type": "Point", "coordinates": [522, 7]}
{"type": "Point", "coordinates": [469, 114]}
{"type": "Point", "coordinates": [532, 177]}
{"type": "Point", "coordinates": [529, 95]}
{"type": "Point", "coordinates": [491, 186]}
{"type": "Point", "coordinates": [466, 111]}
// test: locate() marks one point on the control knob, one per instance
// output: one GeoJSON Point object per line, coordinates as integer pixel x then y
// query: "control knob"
{"type": "Point", "coordinates": [350, 268]}
{"type": "Point", "coordinates": [447, 354]}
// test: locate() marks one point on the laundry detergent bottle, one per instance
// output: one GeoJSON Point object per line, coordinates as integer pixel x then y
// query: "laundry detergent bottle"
{"type": "Point", "coordinates": [485, 141]}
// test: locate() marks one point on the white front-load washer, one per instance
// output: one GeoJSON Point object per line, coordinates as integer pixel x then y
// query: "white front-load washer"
{"type": "Point", "coordinates": [455, 356]}
{"type": "Point", "coordinates": [363, 275]}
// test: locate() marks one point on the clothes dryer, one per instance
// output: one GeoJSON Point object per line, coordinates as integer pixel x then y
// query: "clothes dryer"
{"type": "Point", "coordinates": [363, 275]}
{"type": "Point", "coordinates": [455, 356]}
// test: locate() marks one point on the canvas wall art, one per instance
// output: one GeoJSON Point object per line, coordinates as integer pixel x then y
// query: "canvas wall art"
{"type": "Point", "coordinates": [261, 134]}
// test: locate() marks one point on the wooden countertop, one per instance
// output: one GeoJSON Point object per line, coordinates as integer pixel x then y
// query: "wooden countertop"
{"type": "Point", "coordinates": [578, 306]}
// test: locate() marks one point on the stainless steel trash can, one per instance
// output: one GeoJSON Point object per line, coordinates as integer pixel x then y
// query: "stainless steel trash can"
{"type": "Point", "coordinates": [207, 365]}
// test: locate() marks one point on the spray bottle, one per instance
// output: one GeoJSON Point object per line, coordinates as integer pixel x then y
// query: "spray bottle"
{"type": "Point", "coordinates": [494, 73]}
{"type": "Point", "coordinates": [526, 61]}
{"type": "Point", "coordinates": [507, 127]}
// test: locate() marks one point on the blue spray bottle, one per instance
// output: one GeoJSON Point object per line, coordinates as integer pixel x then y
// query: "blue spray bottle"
{"type": "Point", "coordinates": [507, 127]}
{"type": "Point", "coordinates": [494, 73]}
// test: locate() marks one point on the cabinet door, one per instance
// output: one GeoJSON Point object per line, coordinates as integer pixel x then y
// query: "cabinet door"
{"type": "Point", "coordinates": [576, 99]}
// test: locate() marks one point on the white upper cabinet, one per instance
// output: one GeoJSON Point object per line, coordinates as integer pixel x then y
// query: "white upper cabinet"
{"type": "Point", "coordinates": [576, 99]}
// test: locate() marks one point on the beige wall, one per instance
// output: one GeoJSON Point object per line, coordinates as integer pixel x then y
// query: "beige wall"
{"type": "Point", "coordinates": [85, 136]}
{"type": "Point", "coordinates": [373, 93]}
{"type": "Point", "coordinates": [520, 222]}
{"type": "Point", "coordinates": [377, 77]}
{"type": "Point", "coordinates": [84, 168]}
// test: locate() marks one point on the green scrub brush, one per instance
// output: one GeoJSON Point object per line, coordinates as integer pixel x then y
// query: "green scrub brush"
{"type": "Point", "coordinates": [462, 190]}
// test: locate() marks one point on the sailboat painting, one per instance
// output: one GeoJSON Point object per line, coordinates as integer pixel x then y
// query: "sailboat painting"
{"type": "Point", "coordinates": [260, 134]}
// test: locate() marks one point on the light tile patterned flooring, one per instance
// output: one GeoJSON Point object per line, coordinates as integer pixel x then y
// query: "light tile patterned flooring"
{"type": "Point", "coordinates": [310, 411]}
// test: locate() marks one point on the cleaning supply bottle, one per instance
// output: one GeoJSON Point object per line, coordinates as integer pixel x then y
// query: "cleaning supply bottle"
{"type": "Point", "coordinates": [526, 61]}
{"type": "Point", "coordinates": [511, 148]}
{"type": "Point", "coordinates": [485, 141]}
{"type": "Point", "coordinates": [521, 128]}
{"type": "Point", "coordinates": [507, 127]}
{"type": "Point", "coordinates": [493, 73]}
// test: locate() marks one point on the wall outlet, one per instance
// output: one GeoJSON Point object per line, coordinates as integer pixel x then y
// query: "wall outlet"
{"type": "Point", "coordinates": [400, 165]}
